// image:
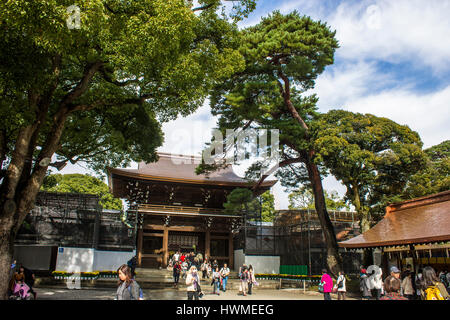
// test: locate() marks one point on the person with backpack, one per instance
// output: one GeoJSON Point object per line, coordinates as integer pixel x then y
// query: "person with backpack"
{"type": "Point", "coordinates": [224, 272]}
{"type": "Point", "coordinates": [364, 286]}
{"type": "Point", "coordinates": [327, 284]}
{"type": "Point", "coordinates": [341, 287]}
{"type": "Point", "coordinates": [432, 289]}
{"type": "Point", "coordinates": [193, 284]}
{"type": "Point", "coordinates": [128, 288]}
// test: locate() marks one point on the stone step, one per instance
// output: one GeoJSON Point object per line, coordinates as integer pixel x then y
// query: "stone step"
{"type": "Point", "coordinates": [144, 273]}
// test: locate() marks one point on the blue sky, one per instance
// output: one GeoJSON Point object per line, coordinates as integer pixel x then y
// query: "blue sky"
{"type": "Point", "coordinates": [393, 61]}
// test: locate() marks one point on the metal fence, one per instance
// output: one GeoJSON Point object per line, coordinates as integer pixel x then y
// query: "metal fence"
{"type": "Point", "coordinates": [75, 220]}
{"type": "Point", "coordinates": [296, 236]}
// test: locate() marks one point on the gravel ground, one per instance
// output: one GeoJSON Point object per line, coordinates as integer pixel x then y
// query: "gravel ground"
{"type": "Point", "coordinates": [172, 294]}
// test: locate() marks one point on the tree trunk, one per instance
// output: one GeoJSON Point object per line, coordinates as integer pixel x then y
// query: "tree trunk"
{"type": "Point", "coordinates": [334, 261]}
{"type": "Point", "coordinates": [6, 256]}
{"type": "Point", "coordinates": [19, 198]}
{"type": "Point", "coordinates": [364, 225]}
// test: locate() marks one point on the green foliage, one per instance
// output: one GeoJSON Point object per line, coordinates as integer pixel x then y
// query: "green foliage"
{"type": "Point", "coordinates": [241, 200]}
{"type": "Point", "coordinates": [290, 45]}
{"type": "Point", "coordinates": [373, 157]}
{"type": "Point", "coordinates": [147, 61]}
{"type": "Point", "coordinates": [303, 198]}
{"type": "Point", "coordinates": [434, 177]}
{"type": "Point", "coordinates": [81, 183]}
{"type": "Point", "coordinates": [267, 207]}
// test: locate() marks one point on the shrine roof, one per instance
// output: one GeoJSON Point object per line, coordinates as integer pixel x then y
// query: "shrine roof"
{"type": "Point", "coordinates": [181, 168]}
{"type": "Point", "coordinates": [417, 221]}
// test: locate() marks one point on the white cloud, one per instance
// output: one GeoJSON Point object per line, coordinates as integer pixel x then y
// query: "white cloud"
{"type": "Point", "coordinates": [188, 135]}
{"type": "Point", "coordinates": [355, 87]}
{"type": "Point", "coordinates": [337, 85]}
{"type": "Point", "coordinates": [394, 31]}
{"type": "Point", "coordinates": [428, 114]}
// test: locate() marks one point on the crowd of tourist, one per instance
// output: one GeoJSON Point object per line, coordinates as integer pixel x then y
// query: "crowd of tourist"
{"type": "Point", "coordinates": [406, 285]}
{"type": "Point", "coordinates": [195, 268]}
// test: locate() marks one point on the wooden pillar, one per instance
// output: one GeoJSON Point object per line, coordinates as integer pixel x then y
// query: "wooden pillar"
{"type": "Point", "coordinates": [230, 251]}
{"type": "Point", "coordinates": [139, 247]}
{"type": "Point", "coordinates": [208, 244]}
{"type": "Point", "coordinates": [165, 247]}
{"type": "Point", "coordinates": [385, 263]}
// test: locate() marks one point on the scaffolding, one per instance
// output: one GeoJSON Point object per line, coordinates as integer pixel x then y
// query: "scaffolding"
{"type": "Point", "coordinates": [296, 236]}
{"type": "Point", "coordinates": [75, 220]}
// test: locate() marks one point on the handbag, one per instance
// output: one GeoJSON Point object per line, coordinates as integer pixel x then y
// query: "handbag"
{"type": "Point", "coordinates": [320, 287]}
{"type": "Point", "coordinates": [340, 284]}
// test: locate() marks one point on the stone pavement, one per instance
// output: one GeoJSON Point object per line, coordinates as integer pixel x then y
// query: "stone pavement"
{"type": "Point", "coordinates": [172, 294]}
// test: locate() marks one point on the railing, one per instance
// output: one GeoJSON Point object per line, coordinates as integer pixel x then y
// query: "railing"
{"type": "Point", "coordinates": [305, 215]}
{"type": "Point", "coordinates": [179, 209]}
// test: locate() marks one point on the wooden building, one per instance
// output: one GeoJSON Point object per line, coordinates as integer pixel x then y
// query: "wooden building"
{"type": "Point", "coordinates": [178, 209]}
{"type": "Point", "coordinates": [415, 232]}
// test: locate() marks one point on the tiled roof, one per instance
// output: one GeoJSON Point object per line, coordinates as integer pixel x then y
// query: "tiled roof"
{"type": "Point", "coordinates": [422, 220]}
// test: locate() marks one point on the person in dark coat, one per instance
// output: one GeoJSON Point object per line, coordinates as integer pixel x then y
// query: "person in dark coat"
{"type": "Point", "coordinates": [176, 272]}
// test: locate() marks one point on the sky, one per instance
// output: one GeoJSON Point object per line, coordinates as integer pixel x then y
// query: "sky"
{"type": "Point", "coordinates": [393, 61]}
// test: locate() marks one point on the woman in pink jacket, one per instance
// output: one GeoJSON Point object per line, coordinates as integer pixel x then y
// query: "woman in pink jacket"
{"type": "Point", "coordinates": [327, 284]}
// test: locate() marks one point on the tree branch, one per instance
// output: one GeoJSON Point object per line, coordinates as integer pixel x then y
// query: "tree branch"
{"type": "Point", "coordinates": [275, 167]}
{"type": "Point", "coordinates": [109, 79]}
{"type": "Point", "coordinates": [286, 93]}
{"type": "Point", "coordinates": [202, 8]}
{"type": "Point", "coordinates": [82, 86]}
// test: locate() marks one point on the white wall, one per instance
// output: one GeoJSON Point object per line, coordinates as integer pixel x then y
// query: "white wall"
{"type": "Point", "coordinates": [33, 257]}
{"type": "Point", "coordinates": [111, 260]}
{"type": "Point", "coordinates": [264, 264]}
{"type": "Point", "coordinates": [88, 260]}
{"type": "Point", "coordinates": [261, 264]}
{"type": "Point", "coordinates": [75, 259]}
{"type": "Point", "coordinates": [239, 259]}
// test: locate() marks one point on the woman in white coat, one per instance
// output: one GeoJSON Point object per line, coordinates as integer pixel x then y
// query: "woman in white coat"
{"type": "Point", "coordinates": [376, 282]}
{"type": "Point", "coordinates": [341, 287]}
